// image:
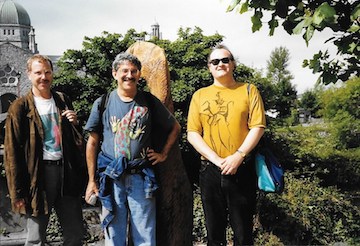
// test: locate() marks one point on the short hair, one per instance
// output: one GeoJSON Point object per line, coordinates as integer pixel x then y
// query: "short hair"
{"type": "Point", "coordinates": [221, 47]}
{"type": "Point", "coordinates": [41, 59]}
{"type": "Point", "coordinates": [124, 56]}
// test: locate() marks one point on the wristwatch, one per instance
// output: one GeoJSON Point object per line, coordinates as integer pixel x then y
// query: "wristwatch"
{"type": "Point", "coordinates": [243, 155]}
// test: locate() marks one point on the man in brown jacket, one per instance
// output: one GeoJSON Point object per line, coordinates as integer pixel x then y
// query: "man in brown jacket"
{"type": "Point", "coordinates": [41, 162]}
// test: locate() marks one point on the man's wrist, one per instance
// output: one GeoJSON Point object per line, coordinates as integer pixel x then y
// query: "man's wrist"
{"type": "Point", "coordinates": [242, 154]}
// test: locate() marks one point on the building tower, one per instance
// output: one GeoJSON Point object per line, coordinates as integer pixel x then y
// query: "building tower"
{"type": "Point", "coordinates": [155, 31]}
{"type": "Point", "coordinates": [15, 26]}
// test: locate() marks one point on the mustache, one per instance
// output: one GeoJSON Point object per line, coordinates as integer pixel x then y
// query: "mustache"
{"type": "Point", "coordinates": [130, 79]}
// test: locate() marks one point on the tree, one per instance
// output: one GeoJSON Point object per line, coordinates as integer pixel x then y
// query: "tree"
{"type": "Point", "coordinates": [309, 102]}
{"type": "Point", "coordinates": [187, 57]}
{"type": "Point", "coordinates": [86, 74]}
{"type": "Point", "coordinates": [280, 76]}
{"type": "Point", "coordinates": [303, 16]}
{"type": "Point", "coordinates": [341, 107]}
{"type": "Point", "coordinates": [277, 65]}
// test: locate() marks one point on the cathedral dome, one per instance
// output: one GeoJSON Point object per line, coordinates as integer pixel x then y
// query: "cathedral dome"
{"type": "Point", "coordinates": [12, 13]}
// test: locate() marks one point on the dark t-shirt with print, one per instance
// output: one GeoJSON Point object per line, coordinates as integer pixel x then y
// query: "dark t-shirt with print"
{"type": "Point", "coordinates": [127, 126]}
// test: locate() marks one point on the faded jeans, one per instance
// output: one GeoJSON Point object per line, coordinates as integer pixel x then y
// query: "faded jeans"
{"type": "Point", "coordinates": [68, 210]}
{"type": "Point", "coordinates": [228, 196]}
{"type": "Point", "coordinates": [130, 202]}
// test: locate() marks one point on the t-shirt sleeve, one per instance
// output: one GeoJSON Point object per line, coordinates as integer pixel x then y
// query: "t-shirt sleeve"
{"type": "Point", "coordinates": [93, 123]}
{"type": "Point", "coordinates": [194, 122]}
{"type": "Point", "coordinates": [257, 111]}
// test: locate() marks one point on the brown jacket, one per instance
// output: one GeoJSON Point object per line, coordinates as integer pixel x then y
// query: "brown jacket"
{"type": "Point", "coordinates": [24, 137]}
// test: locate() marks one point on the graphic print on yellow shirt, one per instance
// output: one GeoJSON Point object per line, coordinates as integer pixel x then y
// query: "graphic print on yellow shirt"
{"type": "Point", "coordinates": [224, 116]}
{"type": "Point", "coordinates": [126, 129]}
{"type": "Point", "coordinates": [217, 112]}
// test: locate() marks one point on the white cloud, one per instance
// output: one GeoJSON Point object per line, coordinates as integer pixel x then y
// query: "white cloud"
{"type": "Point", "coordinates": [62, 25]}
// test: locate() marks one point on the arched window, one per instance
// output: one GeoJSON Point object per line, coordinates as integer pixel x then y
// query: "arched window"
{"type": "Point", "coordinates": [6, 101]}
{"type": "Point", "coordinates": [9, 76]}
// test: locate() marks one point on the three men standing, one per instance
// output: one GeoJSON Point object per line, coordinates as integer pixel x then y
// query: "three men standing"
{"type": "Point", "coordinates": [225, 122]}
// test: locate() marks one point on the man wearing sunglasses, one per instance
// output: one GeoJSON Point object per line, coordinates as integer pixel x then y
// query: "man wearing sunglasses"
{"type": "Point", "coordinates": [226, 121]}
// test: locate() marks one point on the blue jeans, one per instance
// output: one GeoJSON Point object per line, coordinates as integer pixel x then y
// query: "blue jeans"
{"type": "Point", "coordinates": [130, 202]}
{"type": "Point", "coordinates": [228, 196]}
{"type": "Point", "coordinates": [68, 210]}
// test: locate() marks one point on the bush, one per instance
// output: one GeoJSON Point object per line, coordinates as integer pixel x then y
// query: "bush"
{"type": "Point", "coordinates": [346, 131]}
{"type": "Point", "coordinates": [199, 230]}
{"type": "Point", "coordinates": [307, 213]}
{"type": "Point", "coordinates": [311, 151]}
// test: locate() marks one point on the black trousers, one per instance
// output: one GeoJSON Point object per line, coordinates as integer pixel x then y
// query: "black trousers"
{"type": "Point", "coordinates": [228, 198]}
{"type": "Point", "coordinates": [68, 210]}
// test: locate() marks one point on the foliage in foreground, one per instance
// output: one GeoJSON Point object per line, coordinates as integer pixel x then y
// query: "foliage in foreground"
{"type": "Point", "coordinates": [311, 152]}
{"type": "Point", "coordinates": [309, 214]}
{"type": "Point", "coordinates": [341, 107]}
{"type": "Point", "coordinates": [306, 17]}
{"type": "Point", "coordinates": [305, 214]}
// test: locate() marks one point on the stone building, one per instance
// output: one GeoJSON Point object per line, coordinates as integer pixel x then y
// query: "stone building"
{"type": "Point", "coordinates": [17, 44]}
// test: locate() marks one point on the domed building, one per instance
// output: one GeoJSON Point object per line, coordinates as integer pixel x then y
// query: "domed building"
{"type": "Point", "coordinates": [17, 44]}
{"type": "Point", "coordinates": [15, 26]}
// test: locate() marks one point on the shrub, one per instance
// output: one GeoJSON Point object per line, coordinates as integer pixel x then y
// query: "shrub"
{"type": "Point", "coordinates": [307, 213]}
{"type": "Point", "coordinates": [311, 151]}
{"type": "Point", "coordinates": [199, 230]}
{"type": "Point", "coordinates": [346, 130]}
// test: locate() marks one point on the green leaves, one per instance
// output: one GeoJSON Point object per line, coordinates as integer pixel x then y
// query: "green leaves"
{"type": "Point", "coordinates": [280, 76]}
{"type": "Point", "coordinates": [273, 24]}
{"type": "Point", "coordinates": [324, 13]}
{"type": "Point", "coordinates": [304, 17]}
{"type": "Point", "coordinates": [256, 21]}
{"type": "Point", "coordinates": [233, 5]}
{"type": "Point", "coordinates": [244, 7]}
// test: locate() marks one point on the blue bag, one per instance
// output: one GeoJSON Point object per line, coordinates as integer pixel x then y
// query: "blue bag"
{"type": "Point", "coordinates": [269, 171]}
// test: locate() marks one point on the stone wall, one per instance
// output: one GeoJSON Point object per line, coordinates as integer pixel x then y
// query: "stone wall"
{"type": "Point", "coordinates": [14, 58]}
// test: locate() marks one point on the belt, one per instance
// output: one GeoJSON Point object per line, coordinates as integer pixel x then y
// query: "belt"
{"type": "Point", "coordinates": [209, 164]}
{"type": "Point", "coordinates": [51, 162]}
{"type": "Point", "coordinates": [133, 171]}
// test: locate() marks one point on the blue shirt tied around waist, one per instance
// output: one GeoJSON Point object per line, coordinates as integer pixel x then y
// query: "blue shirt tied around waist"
{"type": "Point", "coordinates": [112, 169]}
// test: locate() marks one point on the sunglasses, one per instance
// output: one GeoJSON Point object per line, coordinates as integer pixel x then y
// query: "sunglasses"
{"type": "Point", "coordinates": [224, 60]}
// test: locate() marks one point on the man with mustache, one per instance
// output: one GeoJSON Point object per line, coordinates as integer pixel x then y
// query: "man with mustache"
{"type": "Point", "coordinates": [125, 163]}
{"type": "Point", "coordinates": [40, 159]}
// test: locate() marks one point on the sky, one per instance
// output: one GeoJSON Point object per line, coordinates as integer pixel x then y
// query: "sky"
{"type": "Point", "coordinates": [62, 25]}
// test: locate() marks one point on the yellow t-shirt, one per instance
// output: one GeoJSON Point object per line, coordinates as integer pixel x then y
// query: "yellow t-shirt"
{"type": "Point", "coordinates": [223, 117]}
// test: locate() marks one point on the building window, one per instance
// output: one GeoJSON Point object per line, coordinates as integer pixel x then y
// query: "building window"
{"type": "Point", "coordinates": [6, 100]}
{"type": "Point", "coordinates": [9, 76]}
{"type": "Point", "coordinates": [13, 32]}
